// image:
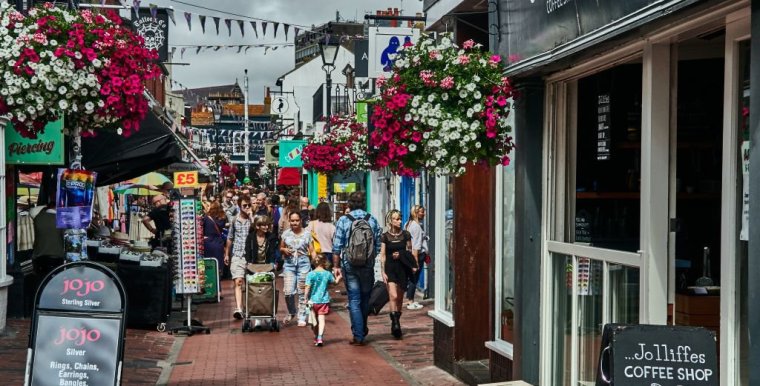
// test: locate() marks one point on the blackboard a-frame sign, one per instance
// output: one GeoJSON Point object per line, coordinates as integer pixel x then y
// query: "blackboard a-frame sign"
{"type": "Point", "coordinates": [647, 355]}
{"type": "Point", "coordinates": [77, 334]}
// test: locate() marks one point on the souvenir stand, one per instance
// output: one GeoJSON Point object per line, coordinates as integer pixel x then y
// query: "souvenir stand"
{"type": "Point", "coordinates": [188, 235]}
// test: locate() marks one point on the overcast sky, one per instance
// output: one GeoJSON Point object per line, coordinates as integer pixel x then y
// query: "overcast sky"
{"type": "Point", "coordinates": [214, 68]}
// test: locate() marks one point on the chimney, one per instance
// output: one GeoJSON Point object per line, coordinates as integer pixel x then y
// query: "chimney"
{"type": "Point", "coordinates": [267, 98]}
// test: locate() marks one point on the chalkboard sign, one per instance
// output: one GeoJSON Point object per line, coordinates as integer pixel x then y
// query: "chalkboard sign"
{"type": "Point", "coordinates": [603, 137]}
{"type": "Point", "coordinates": [636, 355]}
{"type": "Point", "coordinates": [77, 330]}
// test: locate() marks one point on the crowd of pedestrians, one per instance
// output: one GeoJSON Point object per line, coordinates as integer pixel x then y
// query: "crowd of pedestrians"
{"type": "Point", "coordinates": [312, 252]}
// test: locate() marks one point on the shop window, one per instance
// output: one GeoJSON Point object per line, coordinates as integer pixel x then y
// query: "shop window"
{"type": "Point", "coordinates": [608, 159]}
{"type": "Point", "coordinates": [443, 253]}
{"type": "Point", "coordinates": [448, 247]}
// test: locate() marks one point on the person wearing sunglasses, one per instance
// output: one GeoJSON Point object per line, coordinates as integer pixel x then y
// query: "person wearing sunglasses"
{"type": "Point", "coordinates": [157, 220]}
{"type": "Point", "coordinates": [234, 254]}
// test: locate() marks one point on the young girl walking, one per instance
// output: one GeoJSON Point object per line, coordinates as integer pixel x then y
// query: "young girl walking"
{"type": "Point", "coordinates": [318, 295]}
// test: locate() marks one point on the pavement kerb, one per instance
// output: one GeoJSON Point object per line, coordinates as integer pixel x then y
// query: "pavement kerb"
{"type": "Point", "coordinates": [168, 365]}
{"type": "Point", "coordinates": [391, 361]}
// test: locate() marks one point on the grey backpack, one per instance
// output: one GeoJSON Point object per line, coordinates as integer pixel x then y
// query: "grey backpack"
{"type": "Point", "coordinates": [361, 242]}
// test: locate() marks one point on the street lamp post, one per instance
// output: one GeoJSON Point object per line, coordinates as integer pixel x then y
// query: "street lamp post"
{"type": "Point", "coordinates": [329, 52]}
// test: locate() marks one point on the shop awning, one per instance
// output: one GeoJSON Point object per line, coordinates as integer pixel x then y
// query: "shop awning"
{"type": "Point", "coordinates": [117, 158]}
{"type": "Point", "coordinates": [289, 176]}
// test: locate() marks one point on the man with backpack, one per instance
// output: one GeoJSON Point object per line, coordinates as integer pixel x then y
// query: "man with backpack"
{"type": "Point", "coordinates": [355, 245]}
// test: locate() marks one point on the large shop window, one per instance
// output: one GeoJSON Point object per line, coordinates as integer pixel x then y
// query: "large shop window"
{"type": "Point", "coordinates": [593, 259]}
{"type": "Point", "coordinates": [608, 159]}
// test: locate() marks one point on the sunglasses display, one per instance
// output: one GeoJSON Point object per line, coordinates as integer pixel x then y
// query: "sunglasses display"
{"type": "Point", "coordinates": [188, 236]}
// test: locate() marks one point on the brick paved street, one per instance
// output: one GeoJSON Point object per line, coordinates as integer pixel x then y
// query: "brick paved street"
{"type": "Point", "coordinates": [228, 356]}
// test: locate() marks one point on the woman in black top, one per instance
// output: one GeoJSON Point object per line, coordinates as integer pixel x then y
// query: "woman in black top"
{"type": "Point", "coordinates": [260, 245]}
{"type": "Point", "coordinates": [398, 263]}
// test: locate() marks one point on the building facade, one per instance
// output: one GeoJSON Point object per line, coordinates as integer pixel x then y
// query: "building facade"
{"type": "Point", "coordinates": [632, 187]}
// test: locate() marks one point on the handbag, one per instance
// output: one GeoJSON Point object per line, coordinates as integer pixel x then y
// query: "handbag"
{"type": "Point", "coordinates": [315, 241]}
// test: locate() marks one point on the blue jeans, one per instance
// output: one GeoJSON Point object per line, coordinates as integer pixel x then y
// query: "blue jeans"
{"type": "Point", "coordinates": [294, 285]}
{"type": "Point", "coordinates": [359, 283]}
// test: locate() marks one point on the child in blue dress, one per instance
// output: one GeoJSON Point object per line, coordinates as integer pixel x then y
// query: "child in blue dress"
{"type": "Point", "coordinates": [318, 295]}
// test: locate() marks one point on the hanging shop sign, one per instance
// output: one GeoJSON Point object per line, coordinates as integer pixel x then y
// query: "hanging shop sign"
{"type": "Point", "coordinates": [46, 149]}
{"type": "Point", "coordinates": [271, 153]}
{"type": "Point", "coordinates": [74, 196]}
{"type": "Point", "coordinates": [78, 328]}
{"type": "Point", "coordinates": [187, 179]}
{"type": "Point", "coordinates": [384, 43]}
{"type": "Point", "coordinates": [361, 57]}
{"type": "Point", "coordinates": [290, 153]}
{"type": "Point", "coordinates": [536, 27]}
{"type": "Point", "coordinates": [634, 355]}
{"type": "Point", "coordinates": [153, 25]}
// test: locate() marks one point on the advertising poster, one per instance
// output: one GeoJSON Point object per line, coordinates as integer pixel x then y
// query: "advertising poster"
{"type": "Point", "coordinates": [74, 196]}
{"type": "Point", "coordinates": [71, 350]}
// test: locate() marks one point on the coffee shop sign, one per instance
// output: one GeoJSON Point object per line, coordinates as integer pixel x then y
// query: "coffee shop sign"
{"type": "Point", "coordinates": [553, 5]}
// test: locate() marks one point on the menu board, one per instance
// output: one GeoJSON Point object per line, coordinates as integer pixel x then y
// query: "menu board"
{"type": "Point", "coordinates": [659, 355]}
{"type": "Point", "coordinates": [603, 137]}
{"type": "Point", "coordinates": [189, 234]}
{"type": "Point", "coordinates": [70, 350]}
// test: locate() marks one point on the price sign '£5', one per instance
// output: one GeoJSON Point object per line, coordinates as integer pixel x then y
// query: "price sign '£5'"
{"type": "Point", "coordinates": [186, 179]}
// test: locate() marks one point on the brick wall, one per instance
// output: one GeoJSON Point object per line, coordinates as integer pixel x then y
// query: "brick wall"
{"type": "Point", "coordinates": [443, 351]}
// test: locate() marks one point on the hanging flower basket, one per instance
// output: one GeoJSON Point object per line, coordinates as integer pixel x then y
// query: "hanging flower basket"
{"type": "Point", "coordinates": [442, 108]}
{"type": "Point", "coordinates": [343, 149]}
{"type": "Point", "coordinates": [82, 65]}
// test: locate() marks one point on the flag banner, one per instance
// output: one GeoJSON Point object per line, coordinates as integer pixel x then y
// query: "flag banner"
{"type": "Point", "coordinates": [253, 24]}
{"type": "Point", "coordinates": [228, 22]}
{"type": "Point", "coordinates": [241, 24]}
{"type": "Point", "coordinates": [216, 23]}
{"type": "Point", "coordinates": [189, 18]}
{"type": "Point", "coordinates": [286, 27]}
{"type": "Point", "coordinates": [171, 15]}
{"type": "Point", "coordinates": [264, 28]}
{"type": "Point", "coordinates": [203, 23]}
{"type": "Point", "coordinates": [153, 10]}
{"type": "Point", "coordinates": [276, 25]}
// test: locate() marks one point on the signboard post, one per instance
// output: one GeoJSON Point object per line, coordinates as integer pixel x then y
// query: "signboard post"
{"type": "Point", "coordinates": [636, 355]}
{"type": "Point", "coordinates": [77, 334]}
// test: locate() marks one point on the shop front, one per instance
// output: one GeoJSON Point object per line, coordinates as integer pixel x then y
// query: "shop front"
{"type": "Point", "coordinates": [643, 208]}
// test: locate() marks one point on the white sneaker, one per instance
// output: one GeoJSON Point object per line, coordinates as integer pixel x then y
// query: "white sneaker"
{"type": "Point", "coordinates": [414, 306]}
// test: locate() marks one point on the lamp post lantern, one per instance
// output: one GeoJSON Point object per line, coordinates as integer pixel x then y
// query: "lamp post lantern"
{"type": "Point", "coordinates": [329, 51]}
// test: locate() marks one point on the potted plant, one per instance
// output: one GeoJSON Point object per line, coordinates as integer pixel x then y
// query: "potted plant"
{"type": "Point", "coordinates": [442, 108]}
{"type": "Point", "coordinates": [341, 149]}
{"type": "Point", "coordinates": [86, 66]}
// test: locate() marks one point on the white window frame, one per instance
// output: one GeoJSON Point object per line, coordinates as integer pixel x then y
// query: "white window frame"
{"type": "Point", "coordinates": [654, 51]}
{"type": "Point", "coordinates": [439, 312]}
{"type": "Point", "coordinates": [499, 345]}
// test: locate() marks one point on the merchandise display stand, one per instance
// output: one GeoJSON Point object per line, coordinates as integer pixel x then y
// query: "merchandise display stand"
{"type": "Point", "coordinates": [188, 233]}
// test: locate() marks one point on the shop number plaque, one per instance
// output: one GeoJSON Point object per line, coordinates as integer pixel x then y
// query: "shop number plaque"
{"type": "Point", "coordinates": [646, 355]}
